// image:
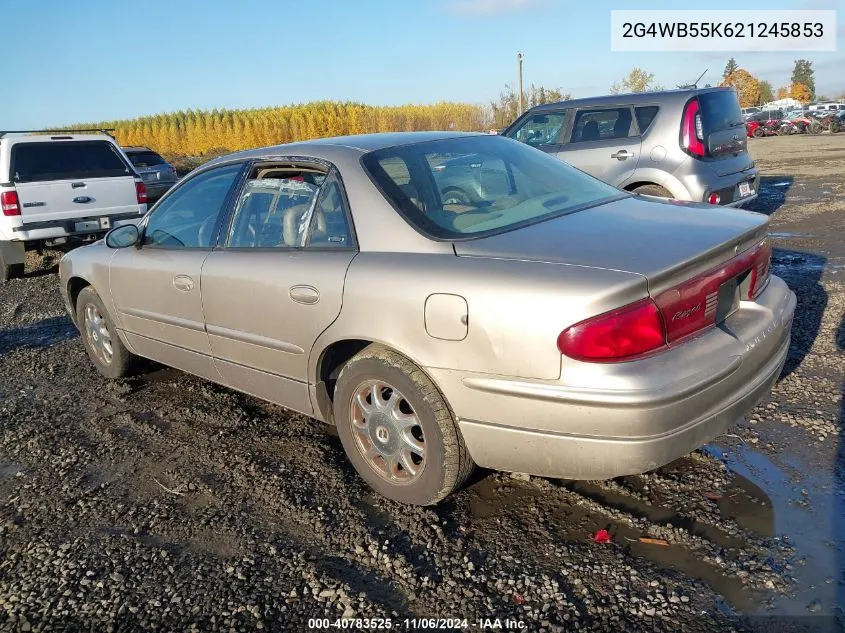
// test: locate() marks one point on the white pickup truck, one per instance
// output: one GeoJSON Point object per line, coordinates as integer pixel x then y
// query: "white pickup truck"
{"type": "Point", "coordinates": [58, 186]}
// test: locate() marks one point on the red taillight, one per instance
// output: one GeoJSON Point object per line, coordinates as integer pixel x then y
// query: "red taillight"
{"type": "Point", "coordinates": [692, 132]}
{"type": "Point", "coordinates": [141, 191]}
{"type": "Point", "coordinates": [673, 315]}
{"type": "Point", "coordinates": [762, 270]}
{"type": "Point", "coordinates": [713, 198]}
{"type": "Point", "coordinates": [623, 334]}
{"type": "Point", "coordinates": [9, 201]}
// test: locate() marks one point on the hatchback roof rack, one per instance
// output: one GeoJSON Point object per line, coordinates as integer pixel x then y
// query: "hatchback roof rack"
{"type": "Point", "coordinates": [106, 131]}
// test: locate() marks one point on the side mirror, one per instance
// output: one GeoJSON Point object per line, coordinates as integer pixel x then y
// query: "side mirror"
{"type": "Point", "coordinates": [123, 236]}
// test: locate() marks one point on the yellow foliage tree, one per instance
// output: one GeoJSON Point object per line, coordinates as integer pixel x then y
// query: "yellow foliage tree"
{"type": "Point", "coordinates": [747, 87]}
{"type": "Point", "coordinates": [801, 93]}
{"type": "Point", "coordinates": [199, 133]}
{"type": "Point", "coordinates": [782, 93]}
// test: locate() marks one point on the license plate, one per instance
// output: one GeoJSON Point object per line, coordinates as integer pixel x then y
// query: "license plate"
{"type": "Point", "coordinates": [745, 189]}
{"type": "Point", "coordinates": [150, 175]}
{"type": "Point", "coordinates": [88, 225]}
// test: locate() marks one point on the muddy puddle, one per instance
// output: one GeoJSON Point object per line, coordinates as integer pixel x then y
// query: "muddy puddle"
{"type": "Point", "coordinates": [769, 540]}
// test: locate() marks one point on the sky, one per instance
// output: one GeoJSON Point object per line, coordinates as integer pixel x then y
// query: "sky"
{"type": "Point", "coordinates": [94, 60]}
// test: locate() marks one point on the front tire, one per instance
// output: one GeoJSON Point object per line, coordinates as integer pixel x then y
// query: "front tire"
{"type": "Point", "coordinates": [397, 430]}
{"type": "Point", "coordinates": [104, 347]}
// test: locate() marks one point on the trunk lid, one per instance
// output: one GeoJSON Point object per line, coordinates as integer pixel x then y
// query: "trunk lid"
{"type": "Point", "coordinates": [665, 241]}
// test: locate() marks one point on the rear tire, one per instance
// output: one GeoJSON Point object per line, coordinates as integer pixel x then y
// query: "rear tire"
{"type": "Point", "coordinates": [389, 413]}
{"type": "Point", "coordinates": [815, 128]}
{"type": "Point", "coordinates": [104, 347]}
{"type": "Point", "coordinates": [834, 126]}
{"type": "Point", "coordinates": [10, 271]}
{"type": "Point", "coordinates": [653, 190]}
{"type": "Point", "coordinates": [758, 133]}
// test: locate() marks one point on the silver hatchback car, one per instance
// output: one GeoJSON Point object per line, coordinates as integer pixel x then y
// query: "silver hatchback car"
{"type": "Point", "coordinates": [685, 144]}
{"type": "Point", "coordinates": [555, 325]}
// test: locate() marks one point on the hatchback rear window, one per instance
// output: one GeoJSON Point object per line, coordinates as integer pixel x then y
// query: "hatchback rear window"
{"type": "Point", "coordinates": [720, 110]}
{"type": "Point", "coordinates": [145, 159]}
{"type": "Point", "coordinates": [37, 162]}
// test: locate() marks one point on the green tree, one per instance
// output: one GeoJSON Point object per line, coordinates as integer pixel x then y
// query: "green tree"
{"type": "Point", "coordinates": [803, 73]}
{"type": "Point", "coordinates": [767, 93]}
{"type": "Point", "coordinates": [637, 80]}
{"type": "Point", "coordinates": [730, 68]}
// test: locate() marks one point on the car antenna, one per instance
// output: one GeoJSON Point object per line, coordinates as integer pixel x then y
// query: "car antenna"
{"type": "Point", "coordinates": [695, 83]}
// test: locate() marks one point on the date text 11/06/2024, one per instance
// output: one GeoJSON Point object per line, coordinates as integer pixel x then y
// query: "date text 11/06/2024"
{"type": "Point", "coordinates": [416, 624]}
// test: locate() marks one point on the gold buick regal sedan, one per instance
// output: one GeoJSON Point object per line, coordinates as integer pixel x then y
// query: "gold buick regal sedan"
{"type": "Point", "coordinates": [447, 300]}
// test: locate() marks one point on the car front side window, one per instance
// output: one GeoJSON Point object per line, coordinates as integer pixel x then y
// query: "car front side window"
{"type": "Point", "coordinates": [187, 218]}
{"type": "Point", "coordinates": [540, 129]}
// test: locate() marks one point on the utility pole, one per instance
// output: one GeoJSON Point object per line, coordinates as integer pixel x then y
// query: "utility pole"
{"type": "Point", "coordinates": [519, 58]}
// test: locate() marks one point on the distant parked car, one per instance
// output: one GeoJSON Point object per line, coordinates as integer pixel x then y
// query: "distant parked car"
{"type": "Point", "coordinates": [684, 144]}
{"type": "Point", "coordinates": [158, 175]}
{"type": "Point", "coordinates": [557, 327]}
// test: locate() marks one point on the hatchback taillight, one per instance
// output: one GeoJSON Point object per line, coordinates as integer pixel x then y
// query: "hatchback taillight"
{"type": "Point", "coordinates": [10, 203]}
{"type": "Point", "coordinates": [141, 191]}
{"type": "Point", "coordinates": [692, 129]}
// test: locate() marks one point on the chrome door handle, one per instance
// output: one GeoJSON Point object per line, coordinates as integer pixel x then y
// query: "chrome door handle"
{"type": "Point", "coordinates": [308, 295]}
{"type": "Point", "coordinates": [622, 154]}
{"type": "Point", "coordinates": [183, 282]}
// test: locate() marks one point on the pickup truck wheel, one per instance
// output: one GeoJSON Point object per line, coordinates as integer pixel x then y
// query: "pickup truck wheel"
{"type": "Point", "coordinates": [653, 190]}
{"type": "Point", "coordinates": [10, 271]}
{"type": "Point", "coordinates": [104, 347]}
{"type": "Point", "coordinates": [397, 430]}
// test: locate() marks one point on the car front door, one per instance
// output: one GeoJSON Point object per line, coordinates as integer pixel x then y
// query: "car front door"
{"type": "Point", "coordinates": [155, 287]}
{"type": "Point", "coordinates": [277, 282]}
{"type": "Point", "coordinates": [604, 142]}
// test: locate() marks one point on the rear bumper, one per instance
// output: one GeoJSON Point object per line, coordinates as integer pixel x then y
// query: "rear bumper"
{"type": "Point", "coordinates": [702, 180]}
{"type": "Point", "coordinates": [51, 229]}
{"type": "Point", "coordinates": [609, 421]}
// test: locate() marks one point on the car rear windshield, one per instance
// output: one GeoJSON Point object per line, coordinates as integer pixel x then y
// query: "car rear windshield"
{"type": "Point", "coordinates": [720, 110]}
{"type": "Point", "coordinates": [478, 185]}
{"type": "Point", "coordinates": [145, 159]}
{"type": "Point", "coordinates": [36, 162]}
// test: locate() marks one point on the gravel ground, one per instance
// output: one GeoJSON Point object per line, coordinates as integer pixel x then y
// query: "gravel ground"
{"type": "Point", "coordinates": [167, 503]}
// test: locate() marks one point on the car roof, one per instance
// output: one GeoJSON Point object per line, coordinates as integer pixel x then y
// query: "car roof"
{"type": "Point", "coordinates": [57, 137]}
{"type": "Point", "coordinates": [358, 144]}
{"type": "Point", "coordinates": [138, 149]}
{"type": "Point", "coordinates": [629, 98]}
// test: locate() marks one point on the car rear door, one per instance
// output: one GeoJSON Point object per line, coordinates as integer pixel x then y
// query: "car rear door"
{"type": "Point", "coordinates": [604, 142]}
{"type": "Point", "coordinates": [66, 180]}
{"type": "Point", "coordinates": [155, 287]}
{"type": "Point", "coordinates": [276, 285]}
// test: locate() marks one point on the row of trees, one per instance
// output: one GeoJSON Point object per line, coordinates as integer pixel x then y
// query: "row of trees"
{"type": "Point", "coordinates": [200, 133]}
{"type": "Point", "coordinates": [193, 132]}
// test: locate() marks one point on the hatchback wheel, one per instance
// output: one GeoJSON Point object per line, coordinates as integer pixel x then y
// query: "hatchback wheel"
{"type": "Point", "coordinates": [107, 352]}
{"type": "Point", "coordinates": [397, 430]}
{"type": "Point", "coordinates": [653, 190]}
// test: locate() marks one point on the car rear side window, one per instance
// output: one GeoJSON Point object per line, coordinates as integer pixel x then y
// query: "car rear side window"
{"type": "Point", "coordinates": [602, 124]}
{"type": "Point", "coordinates": [145, 159]}
{"type": "Point", "coordinates": [720, 110]}
{"type": "Point", "coordinates": [38, 162]}
{"type": "Point", "coordinates": [645, 115]}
